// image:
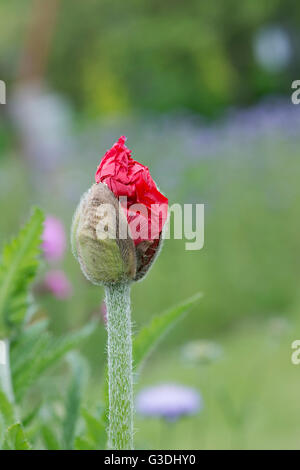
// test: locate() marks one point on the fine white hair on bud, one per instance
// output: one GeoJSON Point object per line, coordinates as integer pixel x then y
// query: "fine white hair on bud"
{"type": "Point", "coordinates": [103, 256]}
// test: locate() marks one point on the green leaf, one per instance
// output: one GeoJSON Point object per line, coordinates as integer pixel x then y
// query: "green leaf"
{"type": "Point", "coordinates": [47, 352]}
{"type": "Point", "coordinates": [50, 440]}
{"type": "Point", "coordinates": [2, 431]}
{"type": "Point", "coordinates": [15, 438]}
{"type": "Point", "coordinates": [149, 336]}
{"type": "Point", "coordinates": [26, 346]}
{"type": "Point", "coordinates": [30, 417]}
{"type": "Point", "coordinates": [6, 409]}
{"type": "Point", "coordinates": [18, 268]}
{"type": "Point", "coordinates": [83, 444]}
{"type": "Point", "coordinates": [74, 396]}
{"type": "Point", "coordinates": [95, 430]}
{"type": "Point", "coordinates": [28, 350]}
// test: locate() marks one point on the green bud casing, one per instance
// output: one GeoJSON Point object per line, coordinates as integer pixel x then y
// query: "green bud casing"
{"type": "Point", "coordinates": [103, 255]}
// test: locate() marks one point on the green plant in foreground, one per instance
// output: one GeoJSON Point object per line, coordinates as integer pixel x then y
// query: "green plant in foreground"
{"type": "Point", "coordinates": [18, 268]}
{"type": "Point", "coordinates": [33, 351]}
{"type": "Point", "coordinates": [29, 349]}
{"type": "Point", "coordinates": [116, 235]}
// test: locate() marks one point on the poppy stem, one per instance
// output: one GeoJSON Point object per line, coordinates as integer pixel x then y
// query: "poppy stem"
{"type": "Point", "coordinates": [120, 432]}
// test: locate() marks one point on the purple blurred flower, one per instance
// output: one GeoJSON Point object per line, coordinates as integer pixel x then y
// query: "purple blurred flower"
{"type": "Point", "coordinates": [54, 239]}
{"type": "Point", "coordinates": [57, 283]}
{"type": "Point", "coordinates": [169, 401]}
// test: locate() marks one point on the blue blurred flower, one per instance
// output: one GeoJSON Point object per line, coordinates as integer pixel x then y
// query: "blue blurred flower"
{"type": "Point", "coordinates": [169, 401]}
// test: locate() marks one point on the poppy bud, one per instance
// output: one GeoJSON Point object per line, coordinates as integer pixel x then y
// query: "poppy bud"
{"type": "Point", "coordinates": [112, 240]}
{"type": "Point", "coordinates": [103, 256]}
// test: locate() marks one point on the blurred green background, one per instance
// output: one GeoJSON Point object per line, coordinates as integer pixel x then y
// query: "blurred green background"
{"type": "Point", "coordinates": [202, 92]}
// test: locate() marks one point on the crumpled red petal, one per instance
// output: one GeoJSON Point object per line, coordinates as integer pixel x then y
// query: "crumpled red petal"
{"type": "Point", "coordinates": [127, 177]}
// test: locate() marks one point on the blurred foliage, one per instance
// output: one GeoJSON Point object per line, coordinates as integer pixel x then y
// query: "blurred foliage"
{"type": "Point", "coordinates": [34, 350]}
{"type": "Point", "coordinates": [18, 269]}
{"type": "Point", "coordinates": [250, 395]}
{"type": "Point", "coordinates": [158, 56]}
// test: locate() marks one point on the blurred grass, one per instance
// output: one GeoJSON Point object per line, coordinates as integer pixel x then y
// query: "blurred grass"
{"type": "Point", "coordinates": [248, 266]}
{"type": "Point", "coordinates": [250, 395]}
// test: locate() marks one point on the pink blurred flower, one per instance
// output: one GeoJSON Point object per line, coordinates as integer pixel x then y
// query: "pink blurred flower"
{"type": "Point", "coordinates": [54, 239]}
{"type": "Point", "coordinates": [103, 310]}
{"type": "Point", "coordinates": [57, 283]}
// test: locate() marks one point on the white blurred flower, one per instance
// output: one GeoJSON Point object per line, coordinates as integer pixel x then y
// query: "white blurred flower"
{"type": "Point", "coordinates": [278, 326]}
{"type": "Point", "coordinates": [43, 120]}
{"type": "Point", "coordinates": [201, 351]}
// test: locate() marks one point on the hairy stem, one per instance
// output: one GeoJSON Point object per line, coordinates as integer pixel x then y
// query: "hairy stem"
{"type": "Point", "coordinates": [120, 432]}
{"type": "Point", "coordinates": [5, 374]}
